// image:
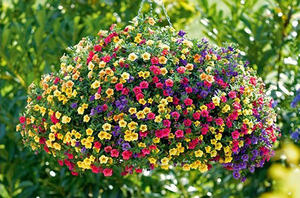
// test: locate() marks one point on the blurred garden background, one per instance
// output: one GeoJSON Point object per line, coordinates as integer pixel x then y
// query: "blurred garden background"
{"type": "Point", "coordinates": [35, 33]}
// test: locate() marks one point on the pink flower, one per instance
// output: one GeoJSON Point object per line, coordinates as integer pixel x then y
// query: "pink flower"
{"type": "Point", "coordinates": [235, 135]}
{"type": "Point", "coordinates": [204, 130]}
{"type": "Point", "coordinates": [97, 48]}
{"type": "Point", "coordinates": [125, 91]}
{"type": "Point", "coordinates": [219, 121]}
{"type": "Point", "coordinates": [196, 116]}
{"type": "Point", "coordinates": [181, 70]}
{"type": "Point", "coordinates": [137, 90]}
{"type": "Point", "coordinates": [159, 85]}
{"type": "Point", "coordinates": [232, 94]}
{"type": "Point", "coordinates": [223, 99]}
{"type": "Point", "coordinates": [188, 102]}
{"type": "Point", "coordinates": [169, 83]}
{"type": "Point", "coordinates": [184, 81]}
{"type": "Point", "coordinates": [175, 115]}
{"type": "Point", "coordinates": [107, 172]}
{"type": "Point", "coordinates": [106, 58]}
{"type": "Point", "coordinates": [151, 116]}
{"type": "Point", "coordinates": [114, 153]}
{"type": "Point", "coordinates": [145, 151]}
{"type": "Point", "coordinates": [60, 162]}
{"type": "Point", "coordinates": [144, 85]}
{"type": "Point", "coordinates": [97, 145]}
{"type": "Point", "coordinates": [138, 170]}
{"type": "Point", "coordinates": [187, 122]}
{"type": "Point", "coordinates": [204, 113]}
{"type": "Point", "coordinates": [119, 86]}
{"type": "Point", "coordinates": [179, 133]}
{"type": "Point", "coordinates": [107, 149]}
{"type": "Point", "coordinates": [167, 123]}
{"type": "Point", "coordinates": [165, 132]}
{"type": "Point", "coordinates": [154, 60]}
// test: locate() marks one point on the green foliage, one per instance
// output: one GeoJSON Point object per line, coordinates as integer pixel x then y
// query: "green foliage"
{"type": "Point", "coordinates": [33, 37]}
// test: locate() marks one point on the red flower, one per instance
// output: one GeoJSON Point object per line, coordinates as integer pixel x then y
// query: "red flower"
{"type": "Point", "coordinates": [22, 119]}
{"type": "Point", "coordinates": [145, 151]}
{"type": "Point", "coordinates": [54, 120]}
{"type": "Point", "coordinates": [188, 102]}
{"type": "Point", "coordinates": [74, 173]}
{"type": "Point", "coordinates": [39, 97]}
{"type": "Point", "coordinates": [138, 170]}
{"type": "Point", "coordinates": [189, 90]}
{"type": "Point", "coordinates": [253, 81]}
{"type": "Point", "coordinates": [126, 155]}
{"type": "Point", "coordinates": [139, 96]}
{"type": "Point", "coordinates": [104, 107]}
{"type": "Point", "coordinates": [107, 172]}
{"type": "Point", "coordinates": [97, 145]}
{"type": "Point", "coordinates": [137, 90]}
{"type": "Point", "coordinates": [60, 162]}
{"type": "Point", "coordinates": [232, 94]}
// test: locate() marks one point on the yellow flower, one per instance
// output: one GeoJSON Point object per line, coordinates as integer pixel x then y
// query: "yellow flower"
{"type": "Point", "coordinates": [203, 168]}
{"type": "Point", "coordinates": [218, 136]}
{"type": "Point", "coordinates": [162, 60]}
{"type": "Point", "coordinates": [186, 167]}
{"type": "Point", "coordinates": [95, 84]}
{"type": "Point", "coordinates": [65, 119]}
{"type": "Point", "coordinates": [132, 57]}
{"type": "Point", "coordinates": [132, 125]}
{"type": "Point", "coordinates": [150, 42]}
{"type": "Point", "coordinates": [103, 159]}
{"type": "Point", "coordinates": [132, 110]}
{"type": "Point", "coordinates": [218, 146]}
{"type": "Point", "coordinates": [89, 131]}
{"type": "Point", "coordinates": [207, 149]}
{"type": "Point", "coordinates": [125, 76]}
{"type": "Point", "coordinates": [142, 144]}
{"type": "Point", "coordinates": [173, 151]}
{"type": "Point", "coordinates": [140, 115]}
{"type": "Point", "coordinates": [198, 153]}
{"type": "Point", "coordinates": [51, 137]}
{"type": "Point", "coordinates": [151, 21]}
{"type": "Point", "coordinates": [109, 92]}
{"type": "Point", "coordinates": [146, 56]}
{"type": "Point", "coordinates": [80, 110]}
{"type": "Point", "coordinates": [165, 161]}
{"type": "Point", "coordinates": [106, 127]}
{"type": "Point", "coordinates": [86, 118]}
{"type": "Point", "coordinates": [56, 146]}
{"type": "Point", "coordinates": [152, 160]}
{"type": "Point", "coordinates": [143, 128]}
{"type": "Point", "coordinates": [163, 71]}
{"type": "Point", "coordinates": [122, 123]}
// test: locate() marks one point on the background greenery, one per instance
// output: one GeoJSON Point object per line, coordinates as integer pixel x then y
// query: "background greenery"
{"type": "Point", "coordinates": [34, 35]}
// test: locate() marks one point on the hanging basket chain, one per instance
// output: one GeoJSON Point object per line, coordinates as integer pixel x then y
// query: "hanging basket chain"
{"type": "Point", "coordinates": [151, 10]}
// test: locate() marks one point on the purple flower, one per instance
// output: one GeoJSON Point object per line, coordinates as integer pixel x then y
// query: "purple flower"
{"type": "Point", "coordinates": [73, 105]}
{"type": "Point", "coordinates": [296, 135]}
{"type": "Point", "coordinates": [252, 168]}
{"type": "Point", "coordinates": [203, 93]}
{"type": "Point", "coordinates": [181, 33]}
{"type": "Point", "coordinates": [126, 146]}
{"type": "Point", "coordinates": [236, 174]}
{"type": "Point", "coordinates": [92, 98]}
{"type": "Point", "coordinates": [245, 157]}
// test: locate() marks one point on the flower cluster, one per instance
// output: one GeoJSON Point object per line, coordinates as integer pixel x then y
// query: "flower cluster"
{"type": "Point", "coordinates": [146, 97]}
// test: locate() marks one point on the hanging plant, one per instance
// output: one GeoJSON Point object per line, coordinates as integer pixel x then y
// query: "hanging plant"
{"type": "Point", "coordinates": [146, 97]}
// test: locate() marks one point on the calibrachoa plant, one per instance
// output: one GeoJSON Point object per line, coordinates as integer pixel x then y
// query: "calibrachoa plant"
{"type": "Point", "coordinates": [146, 97]}
{"type": "Point", "coordinates": [295, 135]}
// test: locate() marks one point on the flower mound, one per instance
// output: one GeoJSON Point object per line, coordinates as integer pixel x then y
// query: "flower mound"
{"type": "Point", "coordinates": [146, 97]}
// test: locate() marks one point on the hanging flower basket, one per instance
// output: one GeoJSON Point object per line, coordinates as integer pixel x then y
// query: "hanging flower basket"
{"type": "Point", "coordinates": [147, 97]}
